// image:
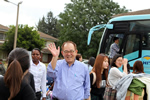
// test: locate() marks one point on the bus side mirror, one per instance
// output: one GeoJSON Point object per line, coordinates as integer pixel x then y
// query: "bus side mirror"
{"type": "Point", "coordinates": [98, 27]}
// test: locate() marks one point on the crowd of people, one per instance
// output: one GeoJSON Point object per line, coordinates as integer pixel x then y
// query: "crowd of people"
{"type": "Point", "coordinates": [73, 80]}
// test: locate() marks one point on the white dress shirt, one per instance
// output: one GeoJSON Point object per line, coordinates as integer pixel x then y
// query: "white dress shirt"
{"type": "Point", "coordinates": [39, 73]}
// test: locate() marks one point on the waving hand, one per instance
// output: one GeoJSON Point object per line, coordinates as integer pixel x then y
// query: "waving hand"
{"type": "Point", "coordinates": [52, 48]}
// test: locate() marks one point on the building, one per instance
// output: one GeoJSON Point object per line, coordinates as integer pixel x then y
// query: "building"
{"type": "Point", "coordinates": [3, 29]}
{"type": "Point", "coordinates": [46, 55]}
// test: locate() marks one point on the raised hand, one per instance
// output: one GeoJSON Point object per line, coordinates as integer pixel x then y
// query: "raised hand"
{"type": "Point", "coordinates": [125, 61]}
{"type": "Point", "coordinates": [52, 48]}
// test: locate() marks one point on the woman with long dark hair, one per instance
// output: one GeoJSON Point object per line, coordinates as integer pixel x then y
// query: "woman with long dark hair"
{"type": "Point", "coordinates": [115, 74]}
{"type": "Point", "coordinates": [100, 74]}
{"type": "Point", "coordinates": [12, 85]}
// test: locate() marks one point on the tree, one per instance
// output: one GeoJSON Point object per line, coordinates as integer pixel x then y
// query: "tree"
{"type": "Point", "coordinates": [49, 25]}
{"type": "Point", "coordinates": [27, 38]}
{"type": "Point", "coordinates": [81, 15]}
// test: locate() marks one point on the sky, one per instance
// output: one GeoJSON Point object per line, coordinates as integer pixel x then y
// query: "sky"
{"type": "Point", "coordinates": [30, 11]}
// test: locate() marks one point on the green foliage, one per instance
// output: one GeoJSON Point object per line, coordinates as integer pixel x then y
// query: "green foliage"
{"type": "Point", "coordinates": [27, 38]}
{"type": "Point", "coordinates": [81, 15]}
{"type": "Point", "coordinates": [49, 25]}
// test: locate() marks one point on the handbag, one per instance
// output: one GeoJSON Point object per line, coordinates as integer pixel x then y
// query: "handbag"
{"type": "Point", "coordinates": [110, 93]}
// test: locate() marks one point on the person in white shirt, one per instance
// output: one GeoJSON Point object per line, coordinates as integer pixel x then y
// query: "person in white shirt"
{"type": "Point", "coordinates": [115, 74]}
{"type": "Point", "coordinates": [38, 69]}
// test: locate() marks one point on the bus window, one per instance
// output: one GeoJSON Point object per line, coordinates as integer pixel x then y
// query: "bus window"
{"type": "Point", "coordinates": [132, 46]}
{"type": "Point", "coordinates": [146, 41]}
{"type": "Point", "coordinates": [139, 26]}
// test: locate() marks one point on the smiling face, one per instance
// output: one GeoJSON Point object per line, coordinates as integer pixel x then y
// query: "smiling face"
{"type": "Point", "coordinates": [119, 62]}
{"type": "Point", "coordinates": [69, 53]}
{"type": "Point", "coordinates": [105, 63]}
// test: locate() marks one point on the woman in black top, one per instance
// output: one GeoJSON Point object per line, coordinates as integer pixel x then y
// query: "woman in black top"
{"type": "Point", "coordinates": [100, 72]}
{"type": "Point", "coordinates": [30, 80]}
{"type": "Point", "coordinates": [13, 85]}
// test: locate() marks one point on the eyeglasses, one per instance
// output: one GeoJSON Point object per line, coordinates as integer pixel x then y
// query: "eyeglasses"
{"type": "Point", "coordinates": [71, 51]}
{"type": "Point", "coordinates": [119, 61]}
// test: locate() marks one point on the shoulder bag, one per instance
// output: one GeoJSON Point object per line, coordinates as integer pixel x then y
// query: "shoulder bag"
{"type": "Point", "coordinates": [110, 93]}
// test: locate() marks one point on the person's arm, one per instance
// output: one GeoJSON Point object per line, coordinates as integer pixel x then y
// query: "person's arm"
{"type": "Point", "coordinates": [117, 73]}
{"type": "Point", "coordinates": [125, 62]}
{"type": "Point", "coordinates": [55, 52]}
{"type": "Point", "coordinates": [47, 92]}
{"type": "Point", "coordinates": [32, 81]}
{"type": "Point", "coordinates": [43, 83]}
{"type": "Point", "coordinates": [86, 84]}
{"type": "Point", "coordinates": [53, 62]}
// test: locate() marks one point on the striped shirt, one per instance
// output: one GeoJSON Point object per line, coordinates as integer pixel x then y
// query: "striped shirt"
{"type": "Point", "coordinates": [114, 49]}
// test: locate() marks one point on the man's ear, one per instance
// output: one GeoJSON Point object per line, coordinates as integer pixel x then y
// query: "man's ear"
{"type": "Point", "coordinates": [76, 51]}
{"type": "Point", "coordinates": [62, 52]}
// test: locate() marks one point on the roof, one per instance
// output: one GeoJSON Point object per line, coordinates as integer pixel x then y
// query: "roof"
{"type": "Point", "coordinates": [3, 28]}
{"type": "Point", "coordinates": [130, 17]}
{"type": "Point", "coordinates": [45, 50]}
{"type": "Point", "coordinates": [139, 12]}
{"type": "Point", "coordinates": [47, 37]}
{"type": "Point", "coordinates": [42, 35]}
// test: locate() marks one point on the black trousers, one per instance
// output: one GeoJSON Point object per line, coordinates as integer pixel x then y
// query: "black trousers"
{"type": "Point", "coordinates": [38, 95]}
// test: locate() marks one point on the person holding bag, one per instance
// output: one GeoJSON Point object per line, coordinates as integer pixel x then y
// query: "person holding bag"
{"type": "Point", "coordinates": [98, 77]}
{"type": "Point", "coordinates": [115, 75]}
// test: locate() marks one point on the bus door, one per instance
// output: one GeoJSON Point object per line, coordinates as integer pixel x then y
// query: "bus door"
{"type": "Point", "coordinates": [132, 47]}
{"type": "Point", "coordinates": [119, 30]}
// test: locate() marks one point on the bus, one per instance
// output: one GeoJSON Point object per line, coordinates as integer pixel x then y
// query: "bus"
{"type": "Point", "coordinates": [134, 38]}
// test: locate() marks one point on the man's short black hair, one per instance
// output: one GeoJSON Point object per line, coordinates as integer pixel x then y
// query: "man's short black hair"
{"type": "Point", "coordinates": [115, 38]}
